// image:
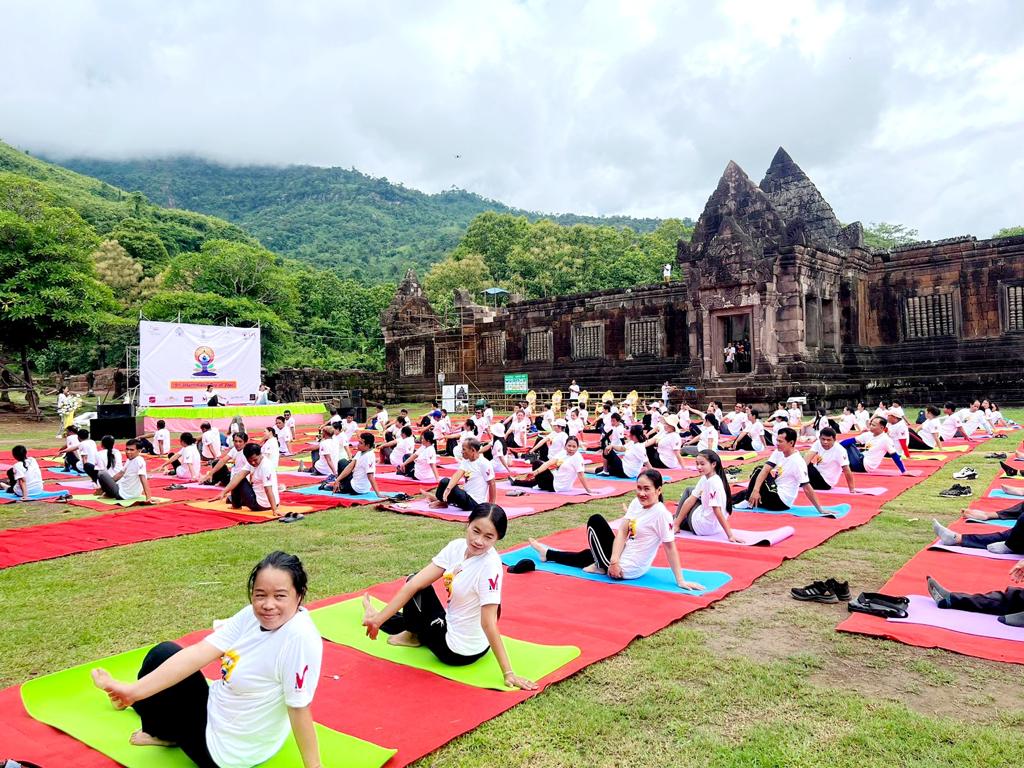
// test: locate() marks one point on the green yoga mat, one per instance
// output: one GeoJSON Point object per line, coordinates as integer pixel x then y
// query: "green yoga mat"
{"type": "Point", "coordinates": [342, 623]}
{"type": "Point", "coordinates": [69, 701]}
{"type": "Point", "coordinates": [137, 501]}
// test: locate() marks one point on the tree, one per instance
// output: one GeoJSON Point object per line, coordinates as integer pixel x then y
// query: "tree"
{"type": "Point", "coordinates": [884, 236]}
{"type": "Point", "coordinates": [141, 243]}
{"type": "Point", "coordinates": [468, 272]}
{"type": "Point", "coordinates": [48, 287]}
{"type": "Point", "coordinates": [124, 276]}
{"type": "Point", "coordinates": [1009, 232]}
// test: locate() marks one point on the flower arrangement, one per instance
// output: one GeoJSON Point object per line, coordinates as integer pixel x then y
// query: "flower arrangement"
{"type": "Point", "coordinates": [69, 405]}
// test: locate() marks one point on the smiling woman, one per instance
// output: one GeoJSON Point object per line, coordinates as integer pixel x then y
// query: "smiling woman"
{"type": "Point", "coordinates": [270, 655]}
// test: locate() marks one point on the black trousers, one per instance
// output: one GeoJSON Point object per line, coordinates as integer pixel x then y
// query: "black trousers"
{"type": "Point", "coordinates": [1014, 538]}
{"type": "Point", "coordinates": [614, 463]}
{"type": "Point", "coordinates": [345, 486]}
{"type": "Point", "coordinates": [653, 459]}
{"type": "Point", "coordinates": [426, 618]}
{"type": "Point", "coordinates": [70, 462]}
{"type": "Point", "coordinates": [1011, 513]}
{"type": "Point", "coordinates": [543, 480]}
{"type": "Point", "coordinates": [145, 446]}
{"type": "Point", "coordinates": [994, 603]}
{"type": "Point", "coordinates": [915, 443]}
{"type": "Point", "coordinates": [769, 496]}
{"type": "Point", "coordinates": [244, 495]}
{"type": "Point", "coordinates": [178, 713]}
{"type": "Point", "coordinates": [818, 482]}
{"type": "Point", "coordinates": [108, 485]}
{"type": "Point", "coordinates": [601, 540]}
{"type": "Point", "coordinates": [457, 498]}
{"type": "Point", "coordinates": [221, 477]}
{"type": "Point", "coordinates": [743, 444]}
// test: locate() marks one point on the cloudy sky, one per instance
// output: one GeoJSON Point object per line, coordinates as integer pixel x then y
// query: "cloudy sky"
{"type": "Point", "coordinates": [902, 112]}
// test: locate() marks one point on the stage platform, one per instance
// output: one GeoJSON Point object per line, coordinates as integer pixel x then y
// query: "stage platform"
{"type": "Point", "coordinates": [186, 419]}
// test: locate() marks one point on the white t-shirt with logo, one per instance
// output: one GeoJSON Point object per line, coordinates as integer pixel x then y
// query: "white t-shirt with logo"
{"type": "Point", "coordinates": [711, 492]}
{"type": "Point", "coordinates": [648, 528]}
{"type": "Point", "coordinates": [668, 449]}
{"type": "Point", "coordinates": [471, 583]}
{"type": "Point", "coordinates": [875, 448]}
{"type": "Point", "coordinates": [832, 461]}
{"type": "Point", "coordinates": [708, 440]}
{"type": "Point", "coordinates": [898, 431]}
{"type": "Point", "coordinates": [403, 449]}
{"type": "Point", "coordinates": [478, 474]}
{"type": "Point", "coordinates": [189, 463]}
{"type": "Point", "coordinates": [263, 477]}
{"type": "Point", "coordinates": [633, 459]}
{"type": "Point", "coordinates": [755, 430]}
{"type": "Point", "coordinates": [929, 430]}
{"type": "Point", "coordinates": [366, 465]}
{"type": "Point", "coordinates": [567, 471]}
{"type": "Point", "coordinates": [239, 464]}
{"type": "Point", "coordinates": [328, 456]}
{"type": "Point", "coordinates": [87, 451]}
{"type": "Point", "coordinates": [422, 466]}
{"type": "Point", "coordinates": [130, 484]}
{"type": "Point", "coordinates": [28, 471]}
{"type": "Point", "coordinates": [847, 423]}
{"type": "Point", "coordinates": [556, 448]}
{"type": "Point", "coordinates": [790, 474]}
{"type": "Point", "coordinates": [262, 675]}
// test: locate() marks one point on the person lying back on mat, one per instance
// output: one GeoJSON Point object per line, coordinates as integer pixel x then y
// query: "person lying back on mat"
{"type": "Point", "coordinates": [558, 475]}
{"type": "Point", "coordinates": [1004, 542]}
{"type": "Point", "coordinates": [185, 462]}
{"type": "Point", "coordinates": [867, 450]}
{"type": "Point", "coordinates": [270, 654]}
{"type": "Point", "coordinates": [705, 511]}
{"type": "Point", "coordinates": [472, 574]}
{"type": "Point", "coordinates": [24, 478]}
{"type": "Point", "coordinates": [634, 457]}
{"type": "Point", "coordinates": [826, 461]}
{"type": "Point", "coordinates": [219, 473]}
{"type": "Point", "coordinates": [132, 481]}
{"type": "Point", "coordinates": [256, 487]}
{"type": "Point", "coordinates": [1007, 604]}
{"type": "Point", "coordinates": [776, 485]}
{"type": "Point", "coordinates": [358, 476]}
{"type": "Point", "coordinates": [929, 435]}
{"type": "Point", "coordinates": [629, 552]}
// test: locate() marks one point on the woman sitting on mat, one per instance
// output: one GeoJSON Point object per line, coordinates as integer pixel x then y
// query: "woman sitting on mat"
{"type": "Point", "coordinates": [472, 574]}
{"type": "Point", "coordinates": [132, 481]}
{"type": "Point", "coordinates": [634, 456]}
{"type": "Point", "coordinates": [706, 438]}
{"type": "Point", "coordinates": [827, 461]}
{"type": "Point", "coordinates": [494, 450]}
{"type": "Point", "coordinates": [552, 445]}
{"type": "Point", "coordinates": [24, 479]}
{"type": "Point", "coordinates": [899, 432]}
{"type": "Point", "coordinates": [108, 459]}
{"type": "Point", "coordinates": [862, 415]}
{"type": "Point", "coordinates": [1007, 604]}
{"type": "Point", "coordinates": [751, 438]}
{"type": "Point", "coordinates": [867, 450]}
{"type": "Point", "coordinates": [244, 718]}
{"type": "Point", "coordinates": [706, 510]}
{"type": "Point", "coordinates": [400, 449]}
{"type": "Point", "coordinates": [219, 473]}
{"type": "Point", "coordinates": [284, 436]}
{"type": "Point", "coordinates": [558, 475]}
{"type": "Point", "coordinates": [629, 552]}
{"type": "Point", "coordinates": [775, 485]}
{"type": "Point", "coordinates": [325, 456]}
{"type": "Point", "coordinates": [357, 477]}
{"type": "Point", "coordinates": [184, 463]}
{"type": "Point", "coordinates": [453, 445]}
{"type": "Point", "coordinates": [271, 447]}
{"type": "Point", "coordinates": [664, 444]}
{"type": "Point", "coordinates": [422, 463]}
{"type": "Point", "coordinates": [256, 487]}
{"type": "Point", "coordinates": [848, 421]}
{"type": "Point", "coordinates": [929, 434]}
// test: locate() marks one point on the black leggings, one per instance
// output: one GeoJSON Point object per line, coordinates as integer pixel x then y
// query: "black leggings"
{"type": "Point", "coordinates": [70, 462]}
{"type": "Point", "coordinates": [614, 464]}
{"type": "Point", "coordinates": [244, 495]}
{"type": "Point", "coordinates": [601, 540]}
{"type": "Point", "coordinates": [818, 482]}
{"type": "Point", "coordinates": [345, 484]}
{"type": "Point", "coordinates": [914, 442]}
{"type": "Point", "coordinates": [221, 477]}
{"type": "Point", "coordinates": [545, 481]}
{"type": "Point", "coordinates": [653, 459]}
{"type": "Point", "coordinates": [178, 713]}
{"type": "Point", "coordinates": [743, 444]}
{"type": "Point", "coordinates": [425, 617]}
{"type": "Point", "coordinates": [457, 498]}
{"type": "Point", "coordinates": [108, 485]}
{"type": "Point", "coordinates": [770, 499]}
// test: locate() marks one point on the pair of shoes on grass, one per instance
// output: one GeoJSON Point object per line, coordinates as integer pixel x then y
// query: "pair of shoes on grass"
{"type": "Point", "coordinates": [956, 491]}
{"type": "Point", "coordinates": [829, 591]}
{"type": "Point", "coordinates": [291, 517]}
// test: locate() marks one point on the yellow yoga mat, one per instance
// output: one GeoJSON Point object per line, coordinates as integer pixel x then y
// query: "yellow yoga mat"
{"type": "Point", "coordinates": [223, 506]}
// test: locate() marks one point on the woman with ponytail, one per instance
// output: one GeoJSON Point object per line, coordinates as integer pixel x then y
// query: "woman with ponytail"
{"type": "Point", "coordinates": [705, 511]}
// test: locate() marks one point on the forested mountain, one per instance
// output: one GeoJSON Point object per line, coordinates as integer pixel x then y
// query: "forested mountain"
{"type": "Point", "coordinates": [356, 224]}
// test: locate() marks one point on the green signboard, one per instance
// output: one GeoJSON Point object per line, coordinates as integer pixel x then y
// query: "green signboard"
{"type": "Point", "coordinates": [516, 384]}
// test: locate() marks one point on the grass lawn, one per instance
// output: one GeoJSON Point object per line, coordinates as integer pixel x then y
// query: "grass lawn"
{"type": "Point", "coordinates": [756, 680]}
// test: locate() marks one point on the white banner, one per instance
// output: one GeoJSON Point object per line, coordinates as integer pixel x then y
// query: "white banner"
{"type": "Point", "coordinates": [178, 361]}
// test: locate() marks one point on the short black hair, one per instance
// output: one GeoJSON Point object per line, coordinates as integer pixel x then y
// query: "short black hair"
{"type": "Point", "coordinates": [250, 450]}
{"type": "Point", "coordinates": [283, 562]}
{"type": "Point", "coordinates": [827, 432]}
{"type": "Point", "coordinates": [187, 438]}
{"type": "Point", "coordinates": [789, 433]}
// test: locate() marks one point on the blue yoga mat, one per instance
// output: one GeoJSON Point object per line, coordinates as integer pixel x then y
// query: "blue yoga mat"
{"type": "Point", "coordinates": [66, 472]}
{"type": "Point", "coordinates": [996, 521]}
{"type": "Point", "coordinates": [1001, 494]}
{"type": "Point", "coordinates": [660, 579]}
{"type": "Point", "coordinates": [39, 496]}
{"type": "Point", "coordinates": [595, 476]}
{"type": "Point", "coordinates": [314, 490]}
{"type": "Point", "coordinates": [839, 510]}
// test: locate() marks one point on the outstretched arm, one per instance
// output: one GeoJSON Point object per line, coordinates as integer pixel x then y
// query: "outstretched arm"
{"type": "Point", "coordinates": [174, 670]}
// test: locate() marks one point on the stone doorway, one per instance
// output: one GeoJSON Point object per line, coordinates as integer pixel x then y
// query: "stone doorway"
{"type": "Point", "coordinates": [733, 329]}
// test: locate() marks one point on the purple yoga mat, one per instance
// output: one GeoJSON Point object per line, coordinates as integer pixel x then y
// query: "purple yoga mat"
{"type": "Point", "coordinates": [747, 538]}
{"type": "Point", "coordinates": [507, 486]}
{"type": "Point", "coordinates": [973, 551]}
{"type": "Point", "coordinates": [923, 610]}
{"type": "Point", "coordinates": [422, 505]}
{"type": "Point", "coordinates": [844, 491]}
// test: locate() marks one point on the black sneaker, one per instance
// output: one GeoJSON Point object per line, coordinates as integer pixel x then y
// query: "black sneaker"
{"type": "Point", "coordinates": [995, 455]}
{"type": "Point", "coordinates": [1010, 471]}
{"type": "Point", "coordinates": [956, 491]}
{"type": "Point", "coordinates": [840, 588]}
{"type": "Point", "coordinates": [818, 592]}
{"type": "Point", "coordinates": [732, 470]}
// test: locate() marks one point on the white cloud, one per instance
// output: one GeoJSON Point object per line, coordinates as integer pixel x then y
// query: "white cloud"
{"type": "Point", "coordinates": [900, 112]}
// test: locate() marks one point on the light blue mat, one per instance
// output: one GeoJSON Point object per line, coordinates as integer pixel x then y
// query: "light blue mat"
{"type": "Point", "coordinates": [314, 490]}
{"type": "Point", "coordinates": [659, 579]}
{"type": "Point", "coordinates": [839, 510]}
{"type": "Point", "coordinates": [1001, 494]}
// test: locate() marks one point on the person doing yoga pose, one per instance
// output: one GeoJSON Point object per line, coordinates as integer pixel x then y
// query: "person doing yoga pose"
{"type": "Point", "coordinates": [827, 461]}
{"type": "Point", "coordinates": [270, 654]}
{"type": "Point", "coordinates": [472, 574]}
{"type": "Point", "coordinates": [1008, 541]}
{"type": "Point", "coordinates": [558, 475]}
{"type": "Point", "coordinates": [358, 476]}
{"type": "Point", "coordinates": [185, 462]}
{"type": "Point", "coordinates": [480, 487]}
{"type": "Point", "coordinates": [422, 463]}
{"type": "Point", "coordinates": [1007, 604]}
{"type": "Point", "coordinates": [131, 482]}
{"type": "Point", "coordinates": [634, 457]}
{"type": "Point", "coordinates": [255, 485]}
{"type": "Point", "coordinates": [705, 511]}
{"type": "Point", "coordinates": [629, 552]}
{"type": "Point", "coordinates": [706, 438]}
{"type": "Point", "coordinates": [25, 478]}
{"type": "Point", "coordinates": [775, 485]}
{"type": "Point", "coordinates": [219, 473]}
{"type": "Point", "coordinates": [867, 450]}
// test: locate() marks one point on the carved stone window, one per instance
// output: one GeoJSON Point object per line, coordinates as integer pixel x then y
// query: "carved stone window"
{"type": "Point", "coordinates": [644, 337]}
{"type": "Point", "coordinates": [812, 321]}
{"type": "Point", "coordinates": [449, 358]}
{"type": "Point", "coordinates": [1013, 301]}
{"type": "Point", "coordinates": [588, 341]}
{"type": "Point", "coordinates": [926, 317]}
{"type": "Point", "coordinates": [538, 346]}
{"type": "Point", "coordinates": [411, 359]}
{"type": "Point", "coordinates": [493, 352]}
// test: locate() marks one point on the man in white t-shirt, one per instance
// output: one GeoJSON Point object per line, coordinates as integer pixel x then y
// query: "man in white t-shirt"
{"type": "Point", "coordinates": [973, 419]}
{"type": "Point", "coordinates": [788, 471]}
{"type": "Point", "coordinates": [131, 482]}
{"type": "Point", "coordinates": [930, 431]}
{"type": "Point", "coordinates": [737, 420]}
{"type": "Point", "coordinates": [827, 461]}
{"type": "Point", "coordinates": [358, 476]}
{"type": "Point", "coordinates": [869, 449]}
{"type": "Point", "coordinates": [209, 443]}
{"type": "Point", "coordinates": [480, 486]}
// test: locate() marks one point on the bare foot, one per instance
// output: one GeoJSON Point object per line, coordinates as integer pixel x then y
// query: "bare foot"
{"type": "Point", "coordinates": [405, 639]}
{"type": "Point", "coordinates": [978, 514]}
{"type": "Point", "coordinates": [368, 609]}
{"type": "Point", "coordinates": [540, 548]}
{"type": "Point", "coordinates": [142, 739]}
{"type": "Point", "coordinates": [102, 680]}
{"type": "Point", "coordinates": [435, 504]}
{"type": "Point", "coordinates": [595, 568]}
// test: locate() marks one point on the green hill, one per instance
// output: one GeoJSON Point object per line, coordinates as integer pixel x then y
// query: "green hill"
{"type": "Point", "coordinates": [359, 225]}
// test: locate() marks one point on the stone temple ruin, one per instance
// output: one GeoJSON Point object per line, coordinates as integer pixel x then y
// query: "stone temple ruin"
{"type": "Point", "coordinates": [811, 309]}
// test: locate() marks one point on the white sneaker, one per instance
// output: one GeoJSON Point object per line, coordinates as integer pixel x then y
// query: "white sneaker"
{"type": "Point", "coordinates": [967, 473]}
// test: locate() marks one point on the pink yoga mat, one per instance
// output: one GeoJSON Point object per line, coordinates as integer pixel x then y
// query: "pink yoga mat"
{"type": "Point", "coordinates": [422, 505]}
{"type": "Point", "coordinates": [974, 552]}
{"type": "Point", "coordinates": [892, 473]}
{"type": "Point", "coordinates": [747, 538]}
{"type": "Point", "coordinates": [923, 610]}
{"type": "Point", "coordinates": [506, 486]}
{"type": "Point", "coordinates": [844, 491]}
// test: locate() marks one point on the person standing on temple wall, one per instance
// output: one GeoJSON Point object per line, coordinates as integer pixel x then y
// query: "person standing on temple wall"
{"type": "Point", "coordinates": [666, 274]}
{"type": "Point", "coordinates": [574, 391]}
{"type": "Point", "coordinates": [666, 388]}
{"type": "Point", "coordinates": [730, 357]}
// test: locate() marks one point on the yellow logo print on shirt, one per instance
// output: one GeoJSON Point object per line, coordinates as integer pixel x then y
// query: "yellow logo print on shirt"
{"type": "Point", "coordinates": [632, 528]}
{"type": "Point", "coordinates": [228, 662]}
{"type": "Point", "coordinates": [449, 577]}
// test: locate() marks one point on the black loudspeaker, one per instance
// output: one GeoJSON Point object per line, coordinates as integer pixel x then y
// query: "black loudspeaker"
{"type": "Point", "coordinates": [120, 427]}
{"type": "Point", "coordinates": [356, 395]}
{"type": "Point", "coordinates": [114, 410]}
{"type": "Point", "coordinates": [358, 413]}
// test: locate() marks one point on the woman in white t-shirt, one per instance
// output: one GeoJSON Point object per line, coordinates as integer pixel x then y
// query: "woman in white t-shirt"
{"type": "Point", "coordinates": [403, 448]}
{"type": "Point", "coordinates": [928, 435]}
{"type": "Point", "coordinates": [476, 473]}
{"type": "Point", "coordinates": [358, 476]}
{"type": "Point", "coordinates": [848, 421]}
{"type": "Point", "coordinates": [552, 445]}
{"type": "Point", "coordinates": [422, 463]}
{"type": "Point", "coordinates": [185, 462]}
{"type": "Point", "coordinates": [705, 511]}
{"type": "Point", "coordinates": [633, 459]}
{"type": "Point", "coordinates": [284, 435]}
{"type": "Point", "coordinates": [219, 473]}
{"type": "Point", "coordinates": [862, 415]}
{"type": "Point", "coordinates": [629, 552]}
{"type": "Point", "coordinates": [24, 478]}
{"type": "Point", "coordinates": [706, 439]}
{"type": "Point", "coordinates": [467, 629]}
{"type": "Point", "coordinates": [131, 482]}
{"type": "Point", "coordinates": [108, 459]}
{"type": "Point", "coordinates": [558, 475]}
{"type": "Point", "coordinates": [494, 450]}
{"type": "Point", "coordinates": [271, 447]}
{"type": "Point", "coordinates": [244, 718]}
